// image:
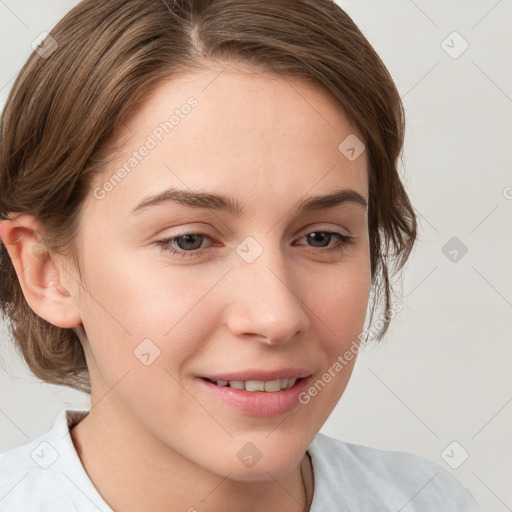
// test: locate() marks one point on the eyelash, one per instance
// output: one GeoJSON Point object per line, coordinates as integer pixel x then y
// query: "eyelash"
{"type": "Point", "coordinates": [165, 244]}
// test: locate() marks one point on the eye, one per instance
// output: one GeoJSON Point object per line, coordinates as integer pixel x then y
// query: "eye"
{"type": "Point", "coordinates": [190, 242]}
{"type": "Point", "coordinates": [322, 239]}
{"type": "Point", "coordinates": [185, 245]}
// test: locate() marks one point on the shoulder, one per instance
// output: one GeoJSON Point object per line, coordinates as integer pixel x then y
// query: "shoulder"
{"type": "Point", "coordinates": [46, 475]}
{"type": "Point", "coordinates": [366, 478]}
{"type": "Point", "coordinates": [29, 476]}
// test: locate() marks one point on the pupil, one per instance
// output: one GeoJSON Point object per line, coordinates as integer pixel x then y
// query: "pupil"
{"type": "Point", "coordinates": [319, 239]}
{"type": "Point", "coordinates": [189, 240]}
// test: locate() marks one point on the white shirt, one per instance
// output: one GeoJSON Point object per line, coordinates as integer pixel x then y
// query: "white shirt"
{"type": "Point", "coordinates": [46, 475]}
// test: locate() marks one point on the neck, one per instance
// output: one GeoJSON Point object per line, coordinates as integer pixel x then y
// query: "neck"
{"type": "Point", "coordinates": [133, 470]}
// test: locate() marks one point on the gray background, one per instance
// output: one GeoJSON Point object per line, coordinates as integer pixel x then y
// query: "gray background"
{"type": "Point", "coordinates": [443, 373]}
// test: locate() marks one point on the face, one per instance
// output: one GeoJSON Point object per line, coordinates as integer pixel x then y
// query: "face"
{"type": "Point", "coordinates": [259, 284]}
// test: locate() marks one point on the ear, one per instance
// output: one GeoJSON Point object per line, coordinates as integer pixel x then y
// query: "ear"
{"type": "Point", "coordinates": [50, 291]}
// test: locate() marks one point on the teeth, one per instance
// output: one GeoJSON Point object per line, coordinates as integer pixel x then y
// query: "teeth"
{"type": "Point", "coordinates": [273, 385]}
{"type": "Point", "coordinates": [270, 386]}
{"type": "Point", "coordinates": [291, 383]}
{"type": "Point", "coordinates": [254, 385]}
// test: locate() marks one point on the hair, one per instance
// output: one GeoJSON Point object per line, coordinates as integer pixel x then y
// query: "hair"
{"type": "Point", "coordinates": [64, 108]}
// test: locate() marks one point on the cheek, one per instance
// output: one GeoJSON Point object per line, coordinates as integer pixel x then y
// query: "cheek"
{"type": "Point", "coordinates": [340, 301]}
{"type": "Point", "coordinates": [347, 304]}
{"type": "Point", "coordinates": [143, 290]}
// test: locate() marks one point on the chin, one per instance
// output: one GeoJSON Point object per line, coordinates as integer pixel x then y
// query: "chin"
{"type": "Point", "coordinates": [262, 459]}
{"type": "Point", "coordinates": [261, 472]}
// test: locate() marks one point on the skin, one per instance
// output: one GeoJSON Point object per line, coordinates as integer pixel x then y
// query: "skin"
{"type": "Point", "coordinates": [154, 439]}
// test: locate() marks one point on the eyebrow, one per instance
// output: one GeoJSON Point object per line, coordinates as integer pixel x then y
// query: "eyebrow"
{"type": "Point", "coordinates": [222, 203]}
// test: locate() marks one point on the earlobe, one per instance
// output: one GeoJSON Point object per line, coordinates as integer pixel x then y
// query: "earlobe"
{"type": "Point", "coordinates": [46, 291]}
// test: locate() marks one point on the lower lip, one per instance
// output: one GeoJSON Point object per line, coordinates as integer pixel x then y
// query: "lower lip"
{"type": "Point", "coordinates": [259, 403]}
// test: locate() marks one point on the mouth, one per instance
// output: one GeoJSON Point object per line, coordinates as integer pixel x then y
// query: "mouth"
{"type": "Point", "coordinates": [268, 386]}
{"type": "Point", "coordinates": [261, 394]}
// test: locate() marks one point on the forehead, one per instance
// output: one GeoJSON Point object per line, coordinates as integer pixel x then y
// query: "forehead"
{"type": "Point", "coordinates": [233, 129]}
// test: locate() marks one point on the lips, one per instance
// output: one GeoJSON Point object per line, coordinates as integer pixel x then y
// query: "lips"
{"type": "Point", "coordinates": [255, 393]}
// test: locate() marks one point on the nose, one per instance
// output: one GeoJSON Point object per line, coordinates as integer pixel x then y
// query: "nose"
{"type": "Point", "coordinates": [264, 301]}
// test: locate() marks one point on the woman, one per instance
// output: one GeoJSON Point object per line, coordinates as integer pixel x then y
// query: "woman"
{"type": "Point", "coordinates": [199, 200]}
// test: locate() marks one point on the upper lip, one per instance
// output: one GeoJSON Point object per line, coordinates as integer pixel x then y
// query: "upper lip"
{"type": "Point", "coordinates": [261, 375]}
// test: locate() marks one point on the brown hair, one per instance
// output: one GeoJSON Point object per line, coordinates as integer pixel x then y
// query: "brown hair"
{"type": "Point", "coordinates": [64, 107]}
